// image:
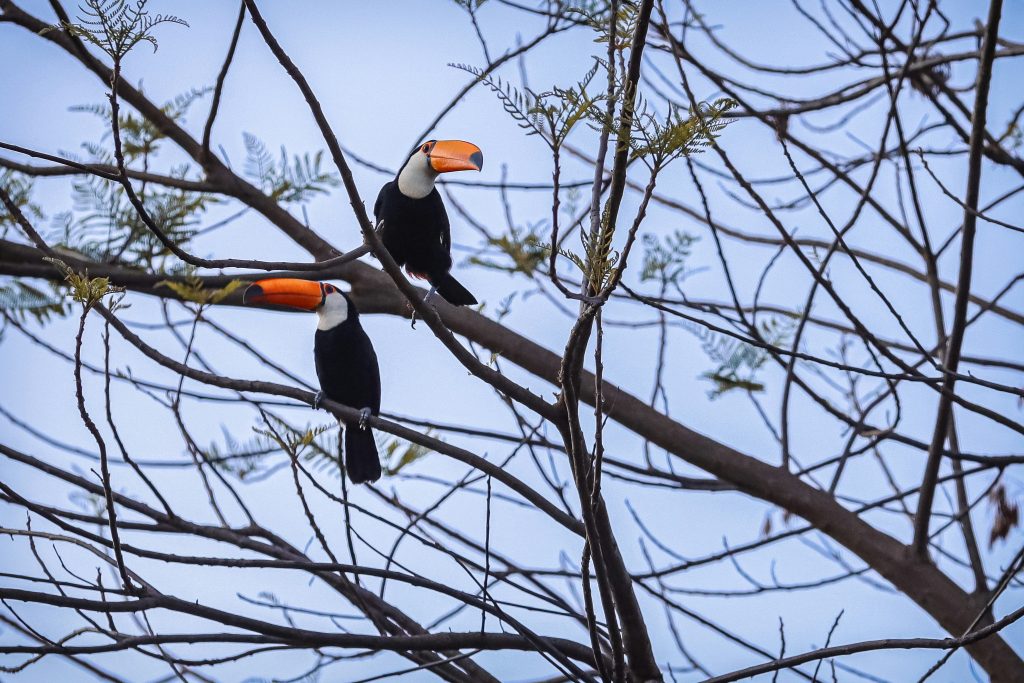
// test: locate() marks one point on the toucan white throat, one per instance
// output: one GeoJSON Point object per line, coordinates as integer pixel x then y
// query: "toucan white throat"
{"type": "Point", "coordinates": [416, 180]}
{"type": "Point", "coordinates": [333, 312]}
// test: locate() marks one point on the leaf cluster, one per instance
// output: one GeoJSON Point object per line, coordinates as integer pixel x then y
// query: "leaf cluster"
{"type": "Point", "coordinates": [315, 445]}
{"type": "Point", "coordinates": [523, 247]}
{"type": "Point", "coordinates": [19, 188]}
{"type": "Point", "coordinates": [399, 454]}
{"type": "Point", "coordinates": [291, 440]}
{"type": "Point", "coordinates": [600, 257]}
{"type": "Point", "coordinates": [139, 136]}
{"type": "Point", "coordinates": [116, 26]}
{"type": "Point", "coordinates": [86, 290]}
{"type": "Point", "coordinates": [665, 261]}
{"type": "Point", "coordinates": [661, 140]}
{"type": "Point", "coordinates": [599, 16]}
{"type": "Point", "coordinates": [739, 362]}
{"type": "Point", "coordinates": [553, 114]}
{"type": "Point", "coordinates": [656, 139]}
{"type": "Point", "coordinates": [191, 289]}
{"type": "Point", "coordinates": [293, 181]}
{"type": "Point", "coordinates": [105, 225]}
{"type": "Point", "coordinates": [21, 299]}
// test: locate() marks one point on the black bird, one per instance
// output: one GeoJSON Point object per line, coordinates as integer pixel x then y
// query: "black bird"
{"type": "Point", "coordinates": [346, 363]}
{"type": "Point", "coordinates": [416, 229]}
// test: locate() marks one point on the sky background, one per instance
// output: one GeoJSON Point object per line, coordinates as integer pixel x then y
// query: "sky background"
{"type": "Point", "coordinates": [381, 71]}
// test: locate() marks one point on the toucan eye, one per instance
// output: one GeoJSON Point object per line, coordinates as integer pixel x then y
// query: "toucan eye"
{"type": "Point", "coordinates": [425, 148]}
{"type": "Point", "coordinates": [330, 289]}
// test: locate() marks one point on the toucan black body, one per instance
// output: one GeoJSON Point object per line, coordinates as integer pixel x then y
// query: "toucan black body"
{"type": "Point", "coordinates": [346, 363]}
{"type": "Point", "coordinates": [347, 368]}
{"type": "Point", "coordinates": [414, 224]}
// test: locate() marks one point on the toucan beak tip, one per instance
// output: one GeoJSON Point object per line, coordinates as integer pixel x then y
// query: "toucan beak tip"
{"type": "Point", "coordinates": [477, 159]}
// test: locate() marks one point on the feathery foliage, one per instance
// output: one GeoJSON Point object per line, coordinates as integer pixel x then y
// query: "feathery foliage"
{"type": "Point", "coordinates": [139, 137]}
{"type": "Point", "coordinates": [86, 290]}
{"type": "Point", "coordinates": [19, 188]}
{"type": "Point", "coordinates": [314, 445]}
{"type": "Point", "coordinates": [103, 224]}
{"type": "Point", "coordinates": [665, 261]}
{"type": "Point", "coordinates": [598, 15]}
{"type": "Point", "coordinates": [522, 246]}
{"type": "Point", "coordinates": [192, 290]}
{"type": "Point", "coordinates": [739, 362]}
{"type": "Point", "coordinates": [553, 114]}
{"type": "Point", "coordinates": [116, 26]}
{"type": "Point", "coordinates": [21, 299]}
{"type": "Point", "coordinates": [288, 182]}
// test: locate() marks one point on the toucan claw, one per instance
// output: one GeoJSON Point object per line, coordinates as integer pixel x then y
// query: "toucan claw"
{"type": "Point", "coordinates": [318, 399]}
{"type": "Point", "coordinates": [364, 417]}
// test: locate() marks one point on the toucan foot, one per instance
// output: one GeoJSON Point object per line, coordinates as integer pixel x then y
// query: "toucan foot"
{"type": "Point", "coordinates": [364, 417]}
{"type": "Point", "coordinates": [318, 399]}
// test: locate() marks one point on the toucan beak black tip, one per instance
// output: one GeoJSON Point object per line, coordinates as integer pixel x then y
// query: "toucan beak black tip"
{"type": "Point", "coordinates": [477, 159]}
{"type": "Point", "coordinates": [252, 292]}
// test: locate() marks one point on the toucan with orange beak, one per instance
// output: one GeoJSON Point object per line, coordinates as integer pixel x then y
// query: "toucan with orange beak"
{"type": "Point", "coordinates": [346, 363]}
{"type": "Point", "coordinates": [415, 225]}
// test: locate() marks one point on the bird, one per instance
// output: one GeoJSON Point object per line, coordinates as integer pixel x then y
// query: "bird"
{"type": "Point", "coordinates": [413, 222]}
{"type": "Point", "coordinates": [346, 363]}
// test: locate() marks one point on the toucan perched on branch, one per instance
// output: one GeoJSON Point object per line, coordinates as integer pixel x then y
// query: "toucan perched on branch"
{"type": "Point", "coordinates": [346, 363]}
{"type": "Point", "coordinates": [415, 225]}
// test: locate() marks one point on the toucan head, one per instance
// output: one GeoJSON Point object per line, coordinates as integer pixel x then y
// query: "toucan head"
{"type": "Point", "coordinates": [331, 304]}
{"type": "Point", "coordinates": [433, 157]}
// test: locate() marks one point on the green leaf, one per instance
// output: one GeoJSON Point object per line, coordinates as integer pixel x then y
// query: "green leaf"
{"type": "Point", "coordinates": [84, 289]}
{"type": "Point", "coordinates": [192, 290]}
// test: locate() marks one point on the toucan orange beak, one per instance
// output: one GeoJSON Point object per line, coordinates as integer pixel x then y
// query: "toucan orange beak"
{"type": "Point", "coordinates": [456, 155]}
{"type": "Point", "coordinates": [305, 294]}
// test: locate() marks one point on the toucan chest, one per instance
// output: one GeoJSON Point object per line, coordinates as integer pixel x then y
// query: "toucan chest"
{"type": "Point", "coordinates": [413, 229]}
{"type": "Point", "coordinates": [346, 365]}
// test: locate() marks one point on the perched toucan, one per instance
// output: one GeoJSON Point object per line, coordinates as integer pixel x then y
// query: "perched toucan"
{"type": "Point", "coordinates": [346, 363]}
{"type": "Point", "coordinates": [415, 225]}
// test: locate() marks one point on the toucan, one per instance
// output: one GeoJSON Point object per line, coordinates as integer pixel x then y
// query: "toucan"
{"type": "Point", "coordinates": [414, 224]}
{"type": "Point", "coordinates": [346, 363]}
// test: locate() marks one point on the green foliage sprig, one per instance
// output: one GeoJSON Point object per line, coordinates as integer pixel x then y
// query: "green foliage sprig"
{"type": "Point", "coordinates": [553, 114]}
{"type": "Point", "coordinates": [192, 289]}
{"type": "Point", "coordinates": [116, 26]}
{"type": "Point", "coordinates": [738, 361]}
{"type": "Point", "coordinates": [666, 260]}
{"type": "Point", "coordinates": [523, 247]}
{"type": "Point", "coordinates": [598, 15]}
{"type": "Point", "coordinates": [293, 181]}
{"type": "Point", "coordinates": [21, 299]}
{"type": "Point", "coordinates": [86, 290]}
{"type": "Point", "coordinates": [103, 224]}
{"type": "Point", "coordinates": [139, 137]}
{"type": "Point", "coordinates": [19, 188]}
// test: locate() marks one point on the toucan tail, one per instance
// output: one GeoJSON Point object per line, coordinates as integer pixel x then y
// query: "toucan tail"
{"type": "Point", "coordinates": [453, 291]}
{"type": "Point", "coordinates": [361, 460]}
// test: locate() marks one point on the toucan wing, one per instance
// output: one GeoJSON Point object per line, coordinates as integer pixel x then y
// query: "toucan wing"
{"type": "Point", "coordinates": [380, 200]}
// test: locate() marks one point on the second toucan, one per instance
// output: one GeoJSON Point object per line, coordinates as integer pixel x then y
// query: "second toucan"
{"type": "Point", "coordinates": [415, 224]}
{"type": "Point", "coordinates": [346, 363]}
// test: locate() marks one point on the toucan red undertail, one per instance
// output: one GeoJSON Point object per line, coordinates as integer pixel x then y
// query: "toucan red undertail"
{"type": "Point", "coordinates": [415, 225]}
{"type": "Point", "coordinates": [346, 363]}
